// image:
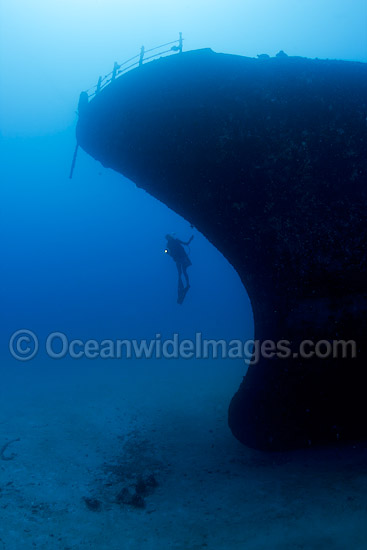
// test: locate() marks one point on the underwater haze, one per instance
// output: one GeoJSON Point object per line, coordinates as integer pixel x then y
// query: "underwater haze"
{"type": "Point", "coordinates": [117, 452]}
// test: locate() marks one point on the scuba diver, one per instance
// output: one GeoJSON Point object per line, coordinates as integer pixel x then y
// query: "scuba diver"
{"type": "Point", "coordinates": [177, 252]}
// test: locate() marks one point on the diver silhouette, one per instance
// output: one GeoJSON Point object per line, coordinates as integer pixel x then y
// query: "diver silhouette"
{"type": "Point", "coordinates": [177, 252]}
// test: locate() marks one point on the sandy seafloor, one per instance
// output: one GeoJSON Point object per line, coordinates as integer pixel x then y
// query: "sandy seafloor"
{"type": "Point", "coordinates": [89, 429]}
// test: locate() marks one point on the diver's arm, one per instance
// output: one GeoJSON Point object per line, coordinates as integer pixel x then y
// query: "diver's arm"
{"type": "Point", "coordinates": [188, 242]}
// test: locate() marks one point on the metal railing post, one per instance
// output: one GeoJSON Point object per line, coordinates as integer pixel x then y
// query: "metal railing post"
{"type": "Point", "coordinates": [142, 51]}
{"type": "Point", "coordinates": [115, 69]}
{"type": "Point", "coordinates": [99, 83]}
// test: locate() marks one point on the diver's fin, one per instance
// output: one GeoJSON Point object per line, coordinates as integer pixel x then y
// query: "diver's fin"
{"type": "Point", "coordinates": [182, 293]}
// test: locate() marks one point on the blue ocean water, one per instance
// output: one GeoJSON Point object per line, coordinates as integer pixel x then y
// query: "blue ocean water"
{"type": "Point", "coordinates": [85, 257]}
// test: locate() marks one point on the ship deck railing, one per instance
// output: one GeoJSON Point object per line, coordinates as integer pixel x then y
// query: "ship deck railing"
{"type": "Point", "coordinates": [137, 61]}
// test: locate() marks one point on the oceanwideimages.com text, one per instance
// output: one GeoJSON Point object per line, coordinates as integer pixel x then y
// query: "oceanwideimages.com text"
{"type": "Point", "coordinates": [24, 345]}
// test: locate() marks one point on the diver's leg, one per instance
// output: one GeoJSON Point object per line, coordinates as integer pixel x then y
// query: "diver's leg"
{"type": "Point", "coordinates": [186, 277]}
{"type": "Point", "coordinates": [180, 289]}
{"type": "Point", "coordinates": [180, 284]}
